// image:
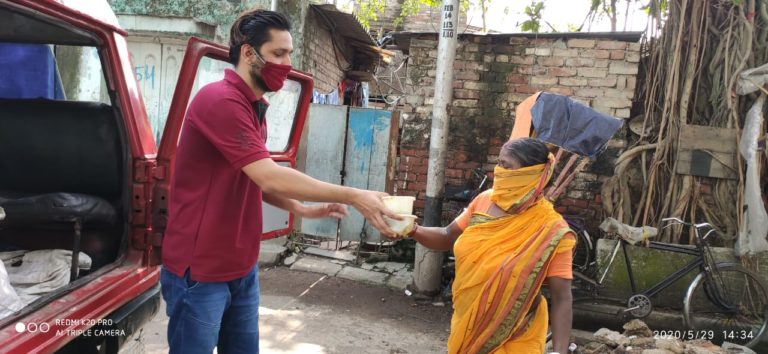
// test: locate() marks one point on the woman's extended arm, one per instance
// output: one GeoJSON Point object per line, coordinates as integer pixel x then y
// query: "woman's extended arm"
{"type": "Point", "coordinates": [561, 314]}
{"type": "Point", "coordinates": [437, 238]}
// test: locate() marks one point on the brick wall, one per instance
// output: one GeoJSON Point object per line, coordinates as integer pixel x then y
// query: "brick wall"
{"type": "Point", "coordinates": [492, 75]}
{"type": "Point", "coordinates": [319, 59]}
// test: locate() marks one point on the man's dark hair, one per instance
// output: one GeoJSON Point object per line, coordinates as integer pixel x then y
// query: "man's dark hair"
{"type": "Point", "coordinates": [252, 27]}
{"type": "Point", "coordinates": [526, 151]}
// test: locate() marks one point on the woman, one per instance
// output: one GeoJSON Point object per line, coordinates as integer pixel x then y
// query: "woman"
{"type": "Point", "coordinates": [508, 243]}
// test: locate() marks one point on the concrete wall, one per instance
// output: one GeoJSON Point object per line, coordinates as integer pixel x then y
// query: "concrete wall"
{"type": "Point", "coordinates": [216, 12]}
{"type": "Point", "coordinates": [492, 75]}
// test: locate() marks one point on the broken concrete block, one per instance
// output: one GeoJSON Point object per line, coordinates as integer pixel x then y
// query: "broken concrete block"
{"type": "Point", "coordinates": [637, 328]}
{"type": "Point", "coordinates": [673, 345]}
{"type": "Point", "coordinates": [611, 338]}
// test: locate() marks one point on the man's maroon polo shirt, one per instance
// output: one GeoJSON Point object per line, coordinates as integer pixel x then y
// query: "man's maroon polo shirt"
{"type": "Point", "coordinates": [215, 219]}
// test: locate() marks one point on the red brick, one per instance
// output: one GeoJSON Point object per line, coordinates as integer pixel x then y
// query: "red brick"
{"type": "Point", "coordinates": [566, 202]}
{"type": "Point", "coordinates": [561, 210]}
{"type": "Point", "coordinates": [408, 152]}
{"type": "Point", "coordinates": [418, 204]}
{"type": "Point", "coordinates": [566, 91]}
{"type": "Point", "coordinates": [611, 45]}
{"type": "Point", "coordinates": [494, 150]}
{"type": "Point", "coordinates": [421, 178]}
{"type": "Point", "coordinates": [467, 75]}
{"type": "Point", "coordinates": [551, 61]}
{"type": "Point", "coordinates": [417, 186]}
{"type": "Point", "coordinates": [461, 157]}
{"type": "Point", "coordinates": [581, 203]}
{"type": "Point", "coordinates": [526, 89]}
{"type": "Point", "coordinates": [467, 165]}
{"type": "Point", "coordinates": [454, 173]}
{"type": "Point", "coordinates": [517, 79]}
{"type": "Point", "coordinates": [562, 72]}
{"type": "Point", "coordinates": [411, 177]}
{"type": "Point", "coordinates": [407, 192]}
{"type": "Point", "coordinates": [420, 169]}
{"type": "Point", "coordinates": [464, 94]}
{"type": "Point", "coordinates": [599, 199]}
{"type": "Point", "coordinates": [458, 84]}
{"type": "Point", "coordinates": [617, 55]}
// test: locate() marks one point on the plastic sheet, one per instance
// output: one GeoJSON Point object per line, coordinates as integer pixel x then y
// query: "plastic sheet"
{"type": "Point", "coordinates": [754, 229]}
{"type": "Point", "coordinates": [631, 234]}
{"type": "Point", "coordinates": [36, 273]}
{"type": "Point", "coordinates": [10, 302]}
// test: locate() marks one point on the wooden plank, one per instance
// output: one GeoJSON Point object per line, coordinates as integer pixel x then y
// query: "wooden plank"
{"type": "Point", "coordinates": [366, 160]}
{"type": "Point", "coordinates": [326, 127]}
{"type": "Point", "coordinates": [707, 151]}
{"type": "Point", "coordinates": [394, 129]}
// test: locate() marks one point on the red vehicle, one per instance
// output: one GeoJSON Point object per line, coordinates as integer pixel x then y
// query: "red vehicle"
{"type": "Point", "coordinates": [80, 170]}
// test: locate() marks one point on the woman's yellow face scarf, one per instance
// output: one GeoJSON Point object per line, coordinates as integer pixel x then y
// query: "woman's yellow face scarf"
{"type": "Point", "coordinates": [515, 190]}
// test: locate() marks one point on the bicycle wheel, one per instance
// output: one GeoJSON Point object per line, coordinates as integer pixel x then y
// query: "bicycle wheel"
{"type": "Point", "coordinates": [727, 304]}
{"type": "Point", "coordinates": [582, 252]}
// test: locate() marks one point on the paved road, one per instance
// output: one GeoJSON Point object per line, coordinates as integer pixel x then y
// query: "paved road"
{"type": "Point", "coordinates": [312, 313]}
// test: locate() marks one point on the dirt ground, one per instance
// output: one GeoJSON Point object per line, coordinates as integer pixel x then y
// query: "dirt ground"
{"type": "Point", "coordinates": [312, 313]}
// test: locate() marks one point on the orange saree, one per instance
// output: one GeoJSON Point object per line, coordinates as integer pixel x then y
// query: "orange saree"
{"type": "Point", "coordinates": [501, 264]}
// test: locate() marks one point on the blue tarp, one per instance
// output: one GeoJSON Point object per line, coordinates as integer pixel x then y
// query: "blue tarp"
{"type": "Point", "coordinates": [28, 71]}
{"type": "Point", "coordinates": [572, 125]}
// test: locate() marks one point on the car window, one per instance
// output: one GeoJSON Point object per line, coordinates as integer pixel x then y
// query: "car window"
{"type": "Point", "coordinates": [52, 71]}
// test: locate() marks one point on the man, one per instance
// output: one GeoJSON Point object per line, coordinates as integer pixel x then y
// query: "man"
{"type": "Point", "coordinates": [222, 171]}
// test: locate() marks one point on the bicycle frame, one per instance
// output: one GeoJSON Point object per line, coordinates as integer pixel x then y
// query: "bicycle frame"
{"type": "Point", "coordinates": [696, 262]}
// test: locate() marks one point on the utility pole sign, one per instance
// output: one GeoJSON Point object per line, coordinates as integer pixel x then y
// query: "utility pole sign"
{"type": "Point", "coordinates": [448, 28]}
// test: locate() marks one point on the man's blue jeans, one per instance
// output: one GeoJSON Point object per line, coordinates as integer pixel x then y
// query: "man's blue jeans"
{"type": "Point", "coordinates": [205, 315]}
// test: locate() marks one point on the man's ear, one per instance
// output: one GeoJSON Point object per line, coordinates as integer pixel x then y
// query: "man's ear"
{"type": "Point", "coordinates": [246, 54]}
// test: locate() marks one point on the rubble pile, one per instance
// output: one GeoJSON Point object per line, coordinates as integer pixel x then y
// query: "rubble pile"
{"type": "Point", "coordinates": [639, 339]}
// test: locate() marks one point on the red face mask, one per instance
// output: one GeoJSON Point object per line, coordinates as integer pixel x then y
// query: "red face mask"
{"type": "Point", "coordinates": [273, 75]}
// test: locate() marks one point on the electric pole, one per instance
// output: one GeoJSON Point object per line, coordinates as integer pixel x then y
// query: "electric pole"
{"type": "Point", "coordinates": [428, 263]}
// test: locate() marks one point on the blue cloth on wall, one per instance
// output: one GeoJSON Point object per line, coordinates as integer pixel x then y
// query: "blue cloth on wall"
{"type": "Point", "coordinates": [327, 98]}
{"type": "Point", "coordinates": [29, 71]}
{"type": "Point", "coordinates": [572, 125]}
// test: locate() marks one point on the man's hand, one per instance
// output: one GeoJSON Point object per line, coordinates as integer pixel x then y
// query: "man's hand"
{"type": "Point", "coordinates": [330, 210]}
{"type": "Point", "coordinates": [370, 205]}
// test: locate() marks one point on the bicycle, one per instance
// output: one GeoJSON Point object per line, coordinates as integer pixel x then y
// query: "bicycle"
{"type": "Point", "coordinates": [724, 302]}
{"type": "Point", "coordinates": [583, 251]}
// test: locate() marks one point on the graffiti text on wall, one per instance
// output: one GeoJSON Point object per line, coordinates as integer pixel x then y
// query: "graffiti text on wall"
{"type": "Point", "coordinates": [146, 72]}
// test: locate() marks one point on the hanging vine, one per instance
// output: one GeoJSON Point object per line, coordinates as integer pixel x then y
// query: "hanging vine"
{"type": "Point", "coordinates": [692, 65]}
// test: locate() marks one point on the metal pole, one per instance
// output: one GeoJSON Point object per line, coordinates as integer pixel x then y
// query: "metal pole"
{"type": "Point", "coordinates": [428, 263]}
{"type": "Point", "coordinates": [273, 6]}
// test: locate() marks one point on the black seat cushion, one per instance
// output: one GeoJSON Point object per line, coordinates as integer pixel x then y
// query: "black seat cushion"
{"type": "Point", "coordinates": [49, 146]}
{"type": "Point", "coordinates": [42, 210]}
